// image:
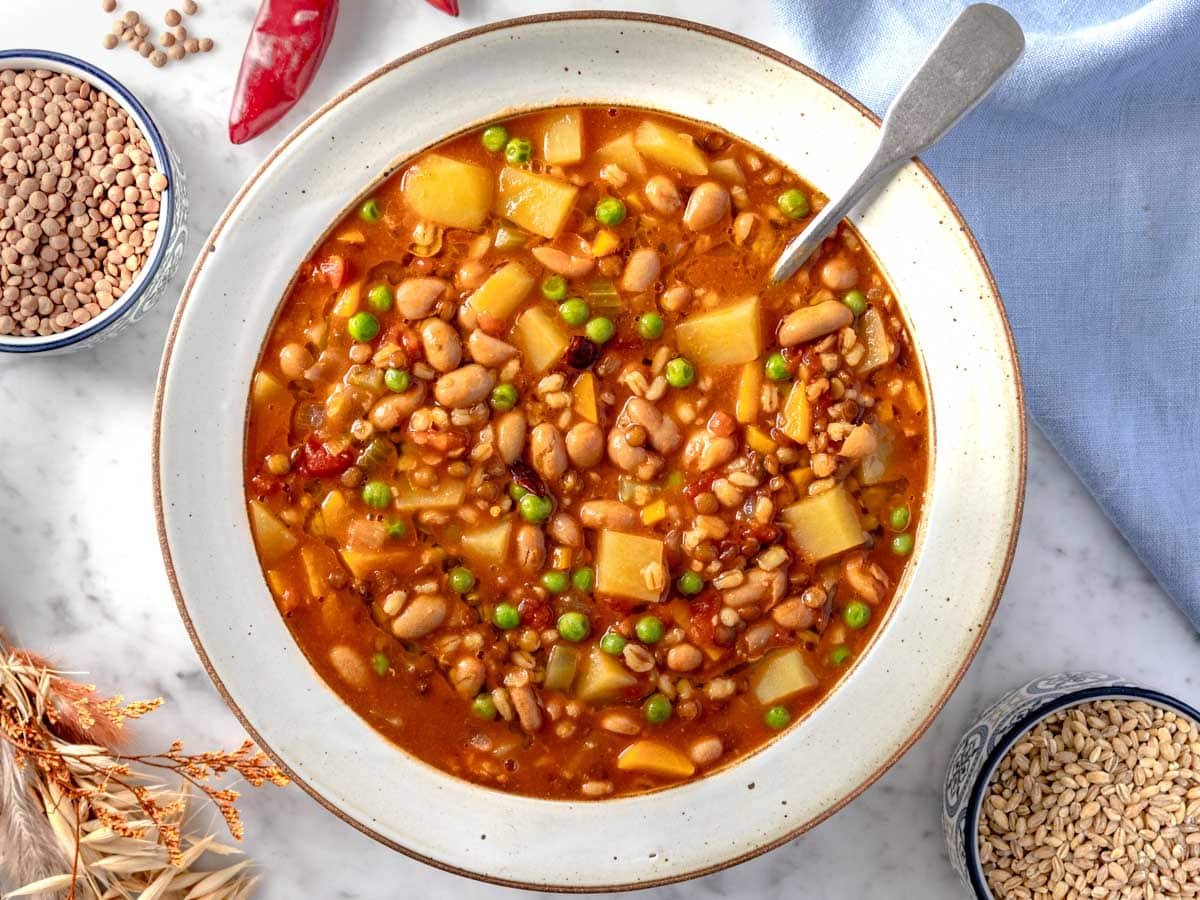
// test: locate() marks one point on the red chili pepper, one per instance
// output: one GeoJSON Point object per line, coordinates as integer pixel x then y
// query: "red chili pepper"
{"type": "Point", "coordinates": [318, 462]}
{"type": "Point", "coordinates": [449, 7]}
{"type": "Point", "coordinates": [285, 50]}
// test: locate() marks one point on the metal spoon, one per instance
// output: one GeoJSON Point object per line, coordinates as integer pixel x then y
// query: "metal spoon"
{"type": "Point", "coordinates": [963, 66]}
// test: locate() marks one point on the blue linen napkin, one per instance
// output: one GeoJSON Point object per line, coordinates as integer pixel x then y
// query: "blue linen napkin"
{"type": "Point", "coordinates": [1080, 176]}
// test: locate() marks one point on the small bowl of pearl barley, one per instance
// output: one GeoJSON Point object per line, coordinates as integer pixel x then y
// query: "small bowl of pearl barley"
{"type": "Point", "coordinates": [1077, 785]}
{"type": "Point", "coordinates": [92, 205]}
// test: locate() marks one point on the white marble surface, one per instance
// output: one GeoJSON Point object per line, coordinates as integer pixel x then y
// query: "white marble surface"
{"type": "Point", "coordinates": [82, 578]}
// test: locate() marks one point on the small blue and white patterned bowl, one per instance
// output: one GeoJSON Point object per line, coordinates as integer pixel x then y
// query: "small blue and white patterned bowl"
{"type": "Point", "coordinates": [998, 729]}
{"type": "Point", "coordinates": [168, 247]}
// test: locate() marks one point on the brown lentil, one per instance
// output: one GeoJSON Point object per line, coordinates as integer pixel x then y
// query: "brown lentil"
{"type": "Point", "coordinates": [78, 207]}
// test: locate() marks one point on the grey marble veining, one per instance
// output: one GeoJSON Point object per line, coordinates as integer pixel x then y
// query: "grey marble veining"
{"type": "Point", "coordinates": [83, 579]}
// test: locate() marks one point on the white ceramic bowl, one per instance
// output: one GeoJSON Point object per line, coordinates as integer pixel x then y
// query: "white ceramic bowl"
{"type": "Point", "coordinates": [165, 255]}
{"type": "Point", "coordinates": [963, 548]}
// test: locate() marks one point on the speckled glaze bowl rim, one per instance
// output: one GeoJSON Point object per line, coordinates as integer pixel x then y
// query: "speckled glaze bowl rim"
{"type": "Point", "coordinates": [101, 80]}
{"type": "Point", "coordinates": [983, 607]}
{"type": "Point", "coordinates": [1024, 724]}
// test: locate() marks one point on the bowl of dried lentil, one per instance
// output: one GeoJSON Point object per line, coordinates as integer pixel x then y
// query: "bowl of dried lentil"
{"type": "Point", "coordinates": [1077, 785]}
{"type": "Point", "coordinates": [92, 205]}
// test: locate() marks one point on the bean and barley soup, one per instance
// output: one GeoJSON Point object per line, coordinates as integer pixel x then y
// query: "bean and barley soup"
{"type": "Point", "coordinates": [549, 484]}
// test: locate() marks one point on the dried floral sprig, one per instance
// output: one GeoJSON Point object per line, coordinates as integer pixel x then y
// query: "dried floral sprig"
{"type": "Point", "coordinates": [84, 819]}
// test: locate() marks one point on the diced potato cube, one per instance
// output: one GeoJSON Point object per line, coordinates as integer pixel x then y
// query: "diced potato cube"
{"type": "Point", "coordinates": [602, 678]}
{"type": "Point", "coordinates": [880, 348]}
{"type": "Point", "coordinates": [729, 335]}
{"type": "Point", "coordinates": [876, 467]}
{"type": "Point", "coordinates": [824, 525]}
{"type": "Point", "coordinates": [727, 170]}
{"type": "Point", "coordinates": [749, 393]}
{"type": "Point", "coordinates": [627, 565]}
{"type": "Point", "coordinates": [795, 419]}
{"type": "Point", "coordinates": [541, 339]}
{"type": "Point", "coordinates": [449, 492]}
{"type": "Point", "coordinates": [268, 391]}
{"type": "Point", "coordinates": [560, 667]}
{"type": "Point", "coordinates": [583, 395]}
{"type": "Point", "coordinates": [274, 539]}
{"type": "Point", "coordinates": [503, 292]}
{"type": "Point", "coordinates": [362, 563]}
{"type": "Point", "coordinates": [654, 758]}
{"type": "Point", "coordinates": [780, 674]}
{"type": "Point", "coordinates": [537, 203]}
{"type": "Point", "coordinates": [666, 146]}
{"type": "Point", "coordinates": [489, 544]}
{"type": "Point", "coordinates": [319, 563]}
{"type": "Point", "coordinates": [622, 152]}
{"type": "Point", "coordinates": [563, 143]}
{"type": "Point", "coordinates": [448, 191]}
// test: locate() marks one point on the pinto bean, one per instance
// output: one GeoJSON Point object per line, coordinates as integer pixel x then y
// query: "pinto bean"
{"type": "Point", "coordinates": [423, 614]}
{"type": "Point", "coordinates": [708, 205]}
{"type": "Point", "coordinates": [662, 195]}
{"type": "Point", "coordinates": [706, 750]}
{"type": "Point", "coordinates": [547, 451]}
{"type": "Point", "coordinates": [684, 658]}
{"type": "Point", "coordinates": [294, 360]}
{"type": "Point", "coordinates": [760, 587]}
{"type": "Point", "coordinates": [641, 269]}
{"type": "Point", "coordinates": [564, 528]}
{"type": "Point", "coordinates": [859, 443]}
{"type": "Point", "coordinates": [467, 677]}
{"type": "Point", "coordinates": [660, 428]}
{"type": "Point", "coordinates": [793, 615]}
{"type": "Point", "coordinates": [350, 665]}
{"type": "Point", "coordinates": [839, 274]}
{"type": "Point", "coordinates": [389, 412]}
{"type": "Point", "coordinates": [676, 297]}
{"type": "Point", "coordinates": [867, 579]}
{"type": "Point", "coordinates": [619, 723]}
{"type": "Point", "coordinates": [489, 351]}
{"type": "Point", "coordinates": [531, 548]}
{"type": "Point", "coordinates": [443, 349]}
{"type": "Point", "coordinates": [585, 444]}
{"type": "Point", "coordinates": [464, 387]}
{"type": "Point", "coordinates": [607, 514]}
{"type": "Point", "coordinates": [562, 263]}
{"type": "Point", "coordinates": [707, 451]}
{"type": "Point", "coordinates": [624, 455]}
{"type": "Point", "coordinates": [510, 435]}
{"type": "Point", "coordinates": [416, 297]}
{"type": "Point", "coordinates": [757, 637]}
{"type": "Point", "coordinates": [811, 322]}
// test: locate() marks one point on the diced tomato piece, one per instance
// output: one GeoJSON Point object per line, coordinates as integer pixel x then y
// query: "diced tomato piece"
{"type": "Point", "coordinates": [700, 485]}
{"type": "Point", "coordinates": [704, 610]}
{"type": "Point", "coordinates": [317, 461]}
{"type": "Point", "coordinates": [334, 268]}
{"type": "Point", "coordinates": [265, 485]}
{"type": "Point", "coordinates": [534, 613]}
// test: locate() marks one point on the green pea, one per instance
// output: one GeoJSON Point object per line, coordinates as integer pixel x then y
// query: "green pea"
{"type": "Point", "coordinates": [397, 380]}
{"type": "Point", "coordinates": [397, 530]}
{"type": "Point", "coordinates": [612, 644]}
{"type": "Point", "coordinates": [856, 614]}
{"type": "Point", "coordinates": [504, 397]}
{"type": "Point", "coordinates": [369, 211]}
{"type": "Point", "coordinates": [839, 655]}
{"type": "Point", "coordinates": [461, 579]}
{"type": "Point", "coordinates": [793, 204]}
{"type": "Point", "coordinates": [776, 367]}
{"type": "Point", "coordinates": [584, 579]}
{"type": "Point", "coordinates": [484, 707]}
{"type": "Point", "coordinates": [657, 709]}
{"type": "Point", "coordinates": [554, 287]}
{"type": "Point", "coordinates": [516, 491]}
{"type": "Point", "coordinates": [650, 326]}
{"type": "Point", "coordinates": [857, 302]}
{"type": "Point", "coordinates": [610, 211]}
{"type": "Point", "coordinates": [363, 326]}
{"type": "Point", "coordinates": [902, 544]}
{"type": "Point", "coordinates": [518, 151]}
{"type": "Point", "coordinates": [506, 616]}
{"type": "Point", "coordinates": [899, 517]}
{"type": "Point", "coordinates": [494, 138]}
{"type": "Point", "coordinates": [777, 717]}
{"type": "Point", "coordinates": [380, 298]}
{"type": "Point", "coordinates": [574, 311]}
{"type": "Point", "coordinates": [555, 582]}
{"type": "Point", "coordinates": [680, 372]}
{"type": "Point", "coordinates": [535, 509]}
{"type": "Point", "coordinates": [600, 330]}
{"type": "Point", "coordinates": [690, 584]}
{"type": "Point", "coordinates": [379, 662]}
{"type": "Point", "coordinates": [649, 629]}
{"type": "Point", "coordinates": [573, 626]}
{"type": "Point", "coordinates": [377, 494]}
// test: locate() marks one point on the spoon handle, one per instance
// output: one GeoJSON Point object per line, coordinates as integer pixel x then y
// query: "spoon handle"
{"type": "Point", "coordinates": [963, 66]}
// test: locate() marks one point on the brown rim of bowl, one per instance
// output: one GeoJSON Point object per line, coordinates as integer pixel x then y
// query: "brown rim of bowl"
{"type": "Point", "coordinates": [156, 435]}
